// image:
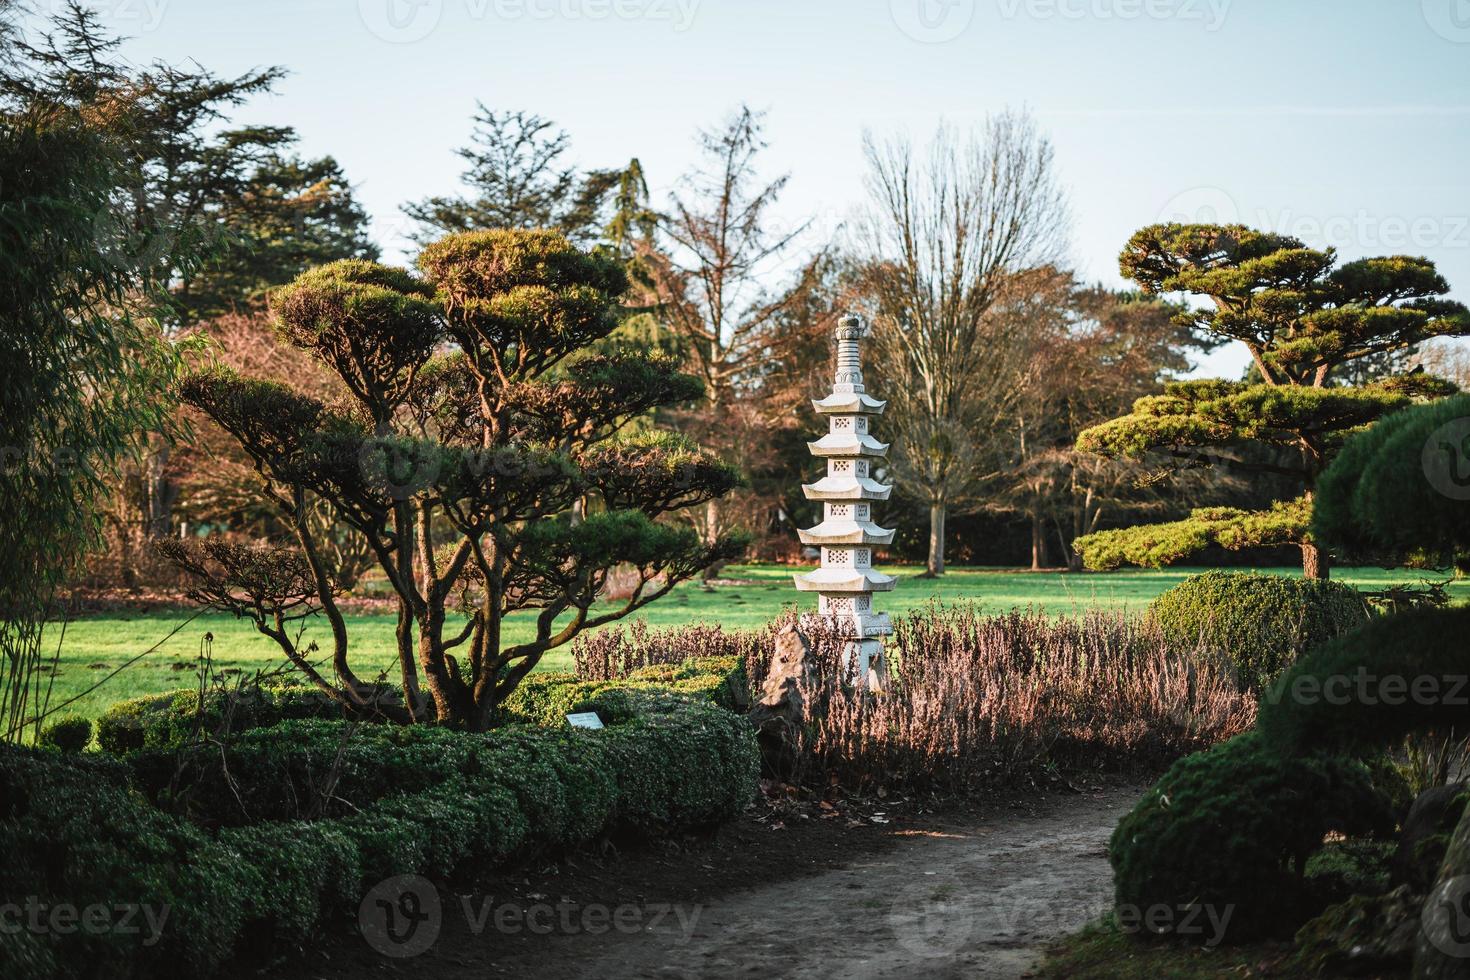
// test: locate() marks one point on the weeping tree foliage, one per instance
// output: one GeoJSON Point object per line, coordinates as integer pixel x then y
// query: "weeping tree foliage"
{"type": "Point", "coordinates": [1303, 317]}
{"type": "Point", "coordinates": [82, 372]}
{"type": "Point", "coordinates": [461, 470]}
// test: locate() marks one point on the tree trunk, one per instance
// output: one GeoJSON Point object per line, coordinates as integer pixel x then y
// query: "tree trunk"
{"type": "Point", "coordinates": [1038, 543]}
{"type": "Point", "coordinates": [159, 491]}
{"type": "Point", "coordinates": [408, 669]}
{"type": "Point", "coordinates": [1315, 562]}
{"type": "Point", "coordinates": [711, 535]}
{"type": "Point", "coordinates": [935, 565]}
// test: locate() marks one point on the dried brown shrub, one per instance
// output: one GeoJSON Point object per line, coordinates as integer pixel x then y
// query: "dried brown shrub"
{"type": "Point", "coordinates": [972, 698]}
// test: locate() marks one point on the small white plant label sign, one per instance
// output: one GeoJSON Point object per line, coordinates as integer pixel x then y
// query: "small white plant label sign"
{"type": "Point", "coordinates": [584, 719]}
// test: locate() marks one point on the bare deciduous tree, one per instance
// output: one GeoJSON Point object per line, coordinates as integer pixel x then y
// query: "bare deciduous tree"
{"type": "Point", "coordinates": [710, 282]}
{"type": "Point", "coordinates": [945, 247]}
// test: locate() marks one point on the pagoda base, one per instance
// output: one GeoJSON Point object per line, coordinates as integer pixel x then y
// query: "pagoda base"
{"type": "Point", "coordinates": [865, 663]}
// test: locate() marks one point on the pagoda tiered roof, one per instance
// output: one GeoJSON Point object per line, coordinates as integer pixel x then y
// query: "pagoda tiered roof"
{"type": "Point", "coordinates": [846, 488]}
{"type": "Point", "coordinates": [846, 532]}
{"type": "Point", "coordinates": [845, 580]}
{"type": "Point", "coordinates": [843, 444]}
{"type": "Point", "coordinates": [848, 403]}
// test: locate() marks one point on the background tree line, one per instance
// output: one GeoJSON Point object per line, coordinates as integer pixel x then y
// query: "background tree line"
{"type": "Point", "coordinates": [995, 357]}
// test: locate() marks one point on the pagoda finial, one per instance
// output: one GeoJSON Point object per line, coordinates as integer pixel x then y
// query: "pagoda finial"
{"type": "Point", "coordinates": [851, 329]}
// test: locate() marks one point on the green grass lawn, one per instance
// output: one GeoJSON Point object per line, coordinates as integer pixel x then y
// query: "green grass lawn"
{"type": "Point", "coordinates": [96, 645]}
{"type": "Point", "coordinates": [1100, 952]}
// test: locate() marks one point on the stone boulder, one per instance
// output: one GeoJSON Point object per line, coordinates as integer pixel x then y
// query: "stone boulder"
{"type": "Point", "coordinates": [780, 712]}
{"type": "Point", "coordinates": [1442, 950]}
{"type": "Point", "coordinates": [1425, 835]}
{"type": "Point", "coordinates": [1365, 935]}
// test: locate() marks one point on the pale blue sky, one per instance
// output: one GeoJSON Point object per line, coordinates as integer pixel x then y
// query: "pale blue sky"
{"type": "Point", "coordinates": [1345, 122]}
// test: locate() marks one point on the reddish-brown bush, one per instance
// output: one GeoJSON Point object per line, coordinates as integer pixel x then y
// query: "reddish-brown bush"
{"type": "Point", "coordinates": [972, 698]}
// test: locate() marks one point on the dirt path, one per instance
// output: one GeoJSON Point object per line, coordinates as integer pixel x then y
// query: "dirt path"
{"type": "Point", "coordinates": [960, 896]}
{"type": "Point", "coordinates": [965, 901]}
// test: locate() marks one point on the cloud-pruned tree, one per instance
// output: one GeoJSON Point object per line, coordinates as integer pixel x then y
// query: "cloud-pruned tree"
{"type": "Point", "coordinates": [1304, 317]}
{"type": "Point", "coordinates": [461, 470]}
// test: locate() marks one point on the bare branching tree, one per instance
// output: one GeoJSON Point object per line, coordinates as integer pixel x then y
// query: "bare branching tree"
{"type": "Point", "coordinates": [710, 280]}
{"type": "Point", "coordinates": [944, 250]}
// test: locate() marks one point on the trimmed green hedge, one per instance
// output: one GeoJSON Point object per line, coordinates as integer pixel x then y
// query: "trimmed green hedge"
{"type": "Point", "coordinates": [161, 720]}
{"type": "Point", "coordinates": [158, 721]}
{"type": "Point", "coordinates": [73, 834]}
{"type": "Point", "coordinates": [1228, 831]}
{"type": "Point", "coordinates": [546, 699]}
{"type": "Point", "coordinates": [69, 733]}
{"type": "Point", "coordinates": [1363, 692]}
{"type": "Point", "coordinates": [1258, 622]}
{"type": "Point", "coordinates": [417, 801]}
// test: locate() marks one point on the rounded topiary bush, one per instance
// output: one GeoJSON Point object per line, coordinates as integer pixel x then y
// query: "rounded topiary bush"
{"type": "Point", "coordinates": [1221, 842]}
{"type": "Point", "coordinates": [1393, 493]}
{"type": "Point", "coordinates": [69, 733]}
{"type": "Point", "coordinates": [1259, 623]}
{"type": "Point", "coordinates": [1363, 693]}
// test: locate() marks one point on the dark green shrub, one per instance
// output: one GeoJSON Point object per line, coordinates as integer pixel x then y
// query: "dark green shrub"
{"type": "Point", "coordinates": [547, 698]}
{"type": "Point", "coordinates": [175, 718]}
{"type": "Point", "coordinates": [293, 876]}
{"type": "Point", "coordinates": [69, 733]}
{"type": "Point", "coordinates": [678, 768]}
{"type": "Point", "coordinates": [73, 833]}
{"type": "Point", "coordinates": [1365, 691]}
{"type": "Point", "coordinates": [1258, 622]}
{"type": "Point", "coordinates": [1230, 831]}
{"type": "Point", "coordinates": [122, 727]}
{"type": "Point", "coordinates": [1383, 498]}
{"type": "Point", "coordinates": [419, 800]}
{"type": "Point", "coordinates": [666, 760]}
{"type": "Point", "coordinates": [280, 773]}
{"type": "Point", "coordinates": [460, 824]}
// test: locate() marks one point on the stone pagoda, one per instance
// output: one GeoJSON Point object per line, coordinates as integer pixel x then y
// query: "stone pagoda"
{"type": "Point", "coordinates": [846, 581]}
